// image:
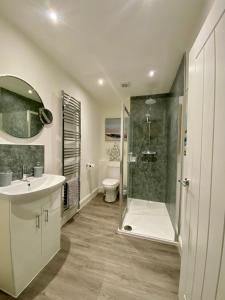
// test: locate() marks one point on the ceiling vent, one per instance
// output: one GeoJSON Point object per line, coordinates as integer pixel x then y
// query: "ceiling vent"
{"type": "Point", "coordinates": [125, 84]}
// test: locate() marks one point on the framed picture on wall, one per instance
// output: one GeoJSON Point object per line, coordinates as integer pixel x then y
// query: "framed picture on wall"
{"type": "Point", "coordinates": [112, 129]}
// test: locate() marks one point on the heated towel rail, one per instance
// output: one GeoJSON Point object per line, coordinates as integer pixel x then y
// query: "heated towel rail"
{"type": "Point", "coordinates": [71, 150]}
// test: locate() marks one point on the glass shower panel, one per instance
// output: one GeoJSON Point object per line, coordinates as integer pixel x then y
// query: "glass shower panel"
{"type": "Point", "coordinates": [149, 167]}
{"type": "Point", "coordinates": [148, 171]}
{"type": "Point", "coordinates": [124, 150]}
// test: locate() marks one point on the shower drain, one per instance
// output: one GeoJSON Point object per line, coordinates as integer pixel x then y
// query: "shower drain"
{"type": "Point", "coordinates": [127, 228]}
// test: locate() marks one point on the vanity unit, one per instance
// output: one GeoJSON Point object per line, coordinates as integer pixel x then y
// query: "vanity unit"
{"type": "Point", "coordinates": [30, 221]}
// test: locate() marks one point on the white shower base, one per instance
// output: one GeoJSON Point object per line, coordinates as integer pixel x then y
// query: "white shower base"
{"type": "Point", "coordinates": [149, 219]}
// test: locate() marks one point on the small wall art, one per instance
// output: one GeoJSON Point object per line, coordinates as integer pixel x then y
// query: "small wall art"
{"type": "Point", "coordinates": [112, 129]}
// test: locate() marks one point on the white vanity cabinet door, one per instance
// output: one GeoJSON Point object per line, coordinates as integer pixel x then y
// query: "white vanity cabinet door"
{"type": "Point", "coordinates": [26, 242]}
{"type": "Point", "coordinates": [51, 226]}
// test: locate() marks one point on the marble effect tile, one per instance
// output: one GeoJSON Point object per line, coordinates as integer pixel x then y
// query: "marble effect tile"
{"type": "Point", "coordinates": [13, 157]}
{"type": "Point", "coordinates": [148, 180]}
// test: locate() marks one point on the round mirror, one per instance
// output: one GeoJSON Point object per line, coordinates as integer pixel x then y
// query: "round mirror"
{"type": "Point", "coordinates": [20, 107]}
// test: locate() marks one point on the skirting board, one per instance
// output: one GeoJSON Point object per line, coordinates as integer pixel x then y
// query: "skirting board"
{"type": "Point", "coordinates": [101, 189]}
{"type": "Point", "coordinates": [68, 214]}
{"type": "Point", "coordinates": [179, 240]}
{"type": "Point", "coordinates": [180, 245]}
{"type": "Point", "coordinates": [88, 198]}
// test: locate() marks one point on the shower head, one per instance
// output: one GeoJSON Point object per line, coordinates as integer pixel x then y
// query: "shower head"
{"type": "Point", "coordinates": [150, 101]}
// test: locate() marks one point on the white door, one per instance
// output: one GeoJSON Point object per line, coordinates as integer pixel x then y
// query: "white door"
{"type": "Point", "coordinates": [201, 128]}
{"type": "Point", "coordinates": [51, 224]}
{"type": "Point", "coordinates": [196, 150]}
{"type": "Point", "coordinates": [217, 212]}
{"type": "Point", "coordinates": [26, 241]}
{"type": "Point", "coordinates": [186, 200]}
{"type": "Point", "coordinates": [206, 167]}
{"type": "Point", "coordinates": [203, 257]}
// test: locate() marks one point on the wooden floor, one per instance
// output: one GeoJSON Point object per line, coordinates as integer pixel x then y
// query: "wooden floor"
{"type": "Point", "coordinates": [95, 263]}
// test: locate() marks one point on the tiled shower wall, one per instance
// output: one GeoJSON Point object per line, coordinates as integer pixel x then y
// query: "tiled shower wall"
{"type": "Point", "coordinates": [156, 181]}
{"type": "Point", "coordinates": [148, 180]}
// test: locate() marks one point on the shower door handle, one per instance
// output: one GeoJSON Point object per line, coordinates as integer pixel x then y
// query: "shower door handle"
{"type": "Point", "coordinates": [184, 182]}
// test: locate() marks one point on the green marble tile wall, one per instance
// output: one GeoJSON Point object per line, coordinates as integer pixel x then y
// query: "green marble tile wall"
{"type": "Point", "coordinates": [13, 157]}
{"type": "Point", "coordinates": [156, 181]}
{"type": "Point", "coordinates": [148, 179]}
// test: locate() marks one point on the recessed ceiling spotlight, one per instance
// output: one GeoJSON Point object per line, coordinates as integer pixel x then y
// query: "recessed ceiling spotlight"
{"type": "Point", "coordinates": [53, 16]}
{"type": "Point", "coordinates": [30, 92]}
{"type": "Point", "coordinates": [151, 73]}
{"type": "Point", "coordinates": [101, 81]}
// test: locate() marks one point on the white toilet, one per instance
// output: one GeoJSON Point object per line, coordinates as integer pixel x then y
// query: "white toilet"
{"type": "Point", "coordinates": [112, 181]}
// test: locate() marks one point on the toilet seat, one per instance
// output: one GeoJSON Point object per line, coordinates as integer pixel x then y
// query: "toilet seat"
{"type": "Point", "coordinates": [110, 182]}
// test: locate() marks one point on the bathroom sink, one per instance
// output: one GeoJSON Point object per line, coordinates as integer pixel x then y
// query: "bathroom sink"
{"type": "Point", "coordinates": [33, 187]}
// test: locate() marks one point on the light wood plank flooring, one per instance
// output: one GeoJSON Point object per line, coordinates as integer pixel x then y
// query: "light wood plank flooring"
{"type": "Point", "coordinates": [95, 263]}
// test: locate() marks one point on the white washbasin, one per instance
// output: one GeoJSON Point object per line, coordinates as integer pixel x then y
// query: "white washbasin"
{"type": "Point", "coordinates": [33, 187]}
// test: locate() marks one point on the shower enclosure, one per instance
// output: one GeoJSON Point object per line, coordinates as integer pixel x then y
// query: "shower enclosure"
{"type": "Point", "coordinates": [149, 167]}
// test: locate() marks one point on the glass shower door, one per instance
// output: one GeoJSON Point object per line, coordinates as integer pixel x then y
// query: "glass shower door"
{"type": "Point", "coordinates": [124, 151]}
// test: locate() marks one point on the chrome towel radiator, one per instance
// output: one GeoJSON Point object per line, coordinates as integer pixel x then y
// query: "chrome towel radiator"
{"type": "Point", "coordinates": [71, 146]}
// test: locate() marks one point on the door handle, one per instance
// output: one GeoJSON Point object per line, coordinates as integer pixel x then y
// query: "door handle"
{"type": "Point", "coordinates": [38, 221]}
{"type": "Point", "coordinates": [46, 215]}
{"type": "Point", "coordinates": [185, 182]}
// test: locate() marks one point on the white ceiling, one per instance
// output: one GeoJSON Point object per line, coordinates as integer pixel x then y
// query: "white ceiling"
{"type": "Point", "coordinates": [118, 40]}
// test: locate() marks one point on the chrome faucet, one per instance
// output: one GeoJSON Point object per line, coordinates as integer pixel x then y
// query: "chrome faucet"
{"type": "Point", "coordinates": [25, 175]}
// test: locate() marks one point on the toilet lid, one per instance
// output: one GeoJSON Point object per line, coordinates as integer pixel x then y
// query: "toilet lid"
{"type": "Point", "coordinates": [110, 182]}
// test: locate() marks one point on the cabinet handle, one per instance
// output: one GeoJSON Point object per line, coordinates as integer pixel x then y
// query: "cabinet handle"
{"type": "Point", "coordinates": [46, 215]}
{"type": "Point", "coordinates": [38, 221]}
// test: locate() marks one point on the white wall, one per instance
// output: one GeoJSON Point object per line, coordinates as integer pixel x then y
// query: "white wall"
{"type": "Point", "coordinates": [109, 111]}
{"type": "Point", "coordinates": [113, 111]}
{"type": "Point", "coordinates": [21, 58]}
